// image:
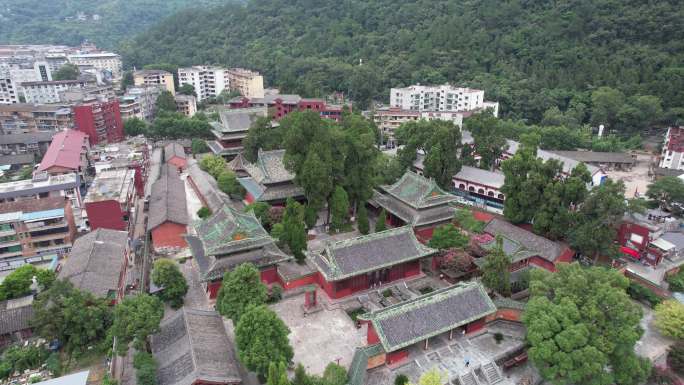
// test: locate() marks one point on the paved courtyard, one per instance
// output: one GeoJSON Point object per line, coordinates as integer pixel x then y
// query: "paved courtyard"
{"type": "Point", "coordinates": [652, 344]}
{"type": "Point", "coordinates": [321, 337]}
{"type": "Point", "coordinates": [636, 179]}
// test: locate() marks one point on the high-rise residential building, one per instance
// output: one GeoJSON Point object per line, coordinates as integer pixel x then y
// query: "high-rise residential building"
{"type": "Point", "coordinates": [46, 92]}
{"type": "Point", "coordinates": [139, 102]}
{"type": "Point", "coordinates": [103, 61]}
{"type": "Point", "coordinates": [100, 119]}
{"type": "Point", "coordinates": [186, 104]}
{"type": "Point", "coordinates": [210, 81]}
{"type": "Point", "coordinates": [154, 77]}
{"type": "Point", "coordinates": [440, 98]}
{"type": "Point", "coordinates": [31, 118]}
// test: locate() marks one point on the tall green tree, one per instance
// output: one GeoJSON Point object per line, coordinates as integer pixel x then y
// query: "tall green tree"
{"type": "Point", "coordinates": [262, 135]}
{"type": "Point", "coordinates": [666, 191]}
{"type": "Point", "coordinates": [294, 229]}
{"type": "Point", "coordinates": [166, 102]}
{"type": "Point", "coordinates": [18, 283]}
{"type": "Point", "coordinates": [316, 180]}
{"type": "Point", "coordinates": [145, 368]}
{"type": "Point", "coordinates": [606, 104]}
{"type": "Point", "coordinates": [582, 327]}
{"type": "Point", "coordinates": [228, 183]}
{"type": "Point", "coordinates": [448, 236]}
{"type": "Point", "coordinates": [135, 126]}
{"type": "Point", "coordinates": [277, 374]}
{"type": "Point", "coordinates": [339, 208]}
{"type": "Point", "coordinates": [381, 223]}
{"type": "Point", "coordinates": [488, 136]}
{"type": "Point", "coordinates": [669, 318]}
{"type": "Point", "coordinates": [496, 269]}
{"type": "Point", "coordinates": [135, 319]}
{"type": "Point", "coordinates": [362, 219]}
{"type": "Point", "coordinates": [334, 374]}
{"type": "Point", "coordinates": [199, 146]}
{"type": "Point", "coordinates": [213, 164]}
{"type": "Point", "coordinates": [240, 289]}
{"type": "Point", "coordinates": [187, 89]}
{"type": "Point", "coordinates": [167, 275]}
{"type": "Point", "coordinates": [261, 338]}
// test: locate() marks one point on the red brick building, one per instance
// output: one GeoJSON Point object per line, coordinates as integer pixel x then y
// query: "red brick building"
{"type": "Point", "coordinates": [281, 105]}
{"type": "Point", "coordinates": [638, 235]}
{"type": "Point", "coordinates": [168, 213]}
{"type": "Point", "coordinates": [110, 199]}
{"type": "Point", "coordinates": [361, 263]}
{"type": "Point", "coordinates": [101, 120]}
{"type": "Point", "coordinates": [445, 313]}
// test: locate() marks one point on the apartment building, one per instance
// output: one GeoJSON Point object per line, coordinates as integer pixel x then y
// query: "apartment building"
{"type": "Point", "coordinates": [35, 227]}
{"type": "Point", "coordinates": [672, 154]}
{"type": "Point", "coordinates": [31, 118]}
{"type": "Point", "coordinates": [102, 61]}
{"type": "Point", "coordinates": [100, 120]}
{"type": "Point", "coordinates": [210, 81]}
{"type": "Point", "coordinates": [186, 104]}
{"type": "Point", "coordinates": [68, 153]}
{"type": "Point", "coordinates": [46, 92]}
{"type": "Point", "coordinates": [139, 102]}
{"type": "Point", "coordinates": [440, 98]}
{"type": "Point", "coordinates": [41, 186]}
{"type": "Point", "coordinates": [110, 199]}
{"type": "Point", "coordinates": [154, 77]}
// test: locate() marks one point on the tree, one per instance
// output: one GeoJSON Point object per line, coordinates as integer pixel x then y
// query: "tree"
{"type": "Point", "coordinates": [167, 275]}
{"type": "Point", "coordinates": [675, 357]}
{"type": "Point", "coordinates": [261, 338]}
{"type": "Point", "coordinates": [293, 229]}
{"type": "Point", "coordinates": [166, 102]}
{"type": "Point", "coordinates": [127, 80]}
{"type": "Point", "coordinates": [339, 207]}
{"type": "Point", "coordinates": [67, 71]}
{"type": "Point", "coordinates": [135, 126]}
{"type": "Point", "coordinates": [669, 318]}
{"type": "Point", "coordinates": [465, 219]}
{"type": "Point", "coordinates": [496, 269]}
{"type": "Point", "coordinates": [135, 319]}
{"type": "Point", "coordinates": [381, 223]}
{"type": "Point", "coordinates": [213, 164]}
{"type": "Point", "coordinates": [316, 180]}
{"type": "Point", "coordinates": [228, 183]}
{"type": "Point", "coordinates": [448, 236]}
{"type": "Point", "coordinates": [300, 376]}
{"type": "Point", "coordinates": [362, 219]}
{"type": "Point", "coordinates": [76, 318]}
{"type": "Point", "coordinates": [334, 374]}
{"type": "Point", "coordinates": [199, 146]}
{"type": "Point", "coordinates": [277, 374]}
{"type": "Point", "coordinates": [204, 212]}
{"type": "Point", "coordinates": [262, 135]}
{"type": "Point", "coordinates": [18, 282]}
{"type": "Point", "coordinates": [145, 368]}
{"type": "Point", "coordinates": [186, 89]}
{"type": "Point", "coordinates": [606, 104]}
{"type": "Point", "coordinates": [574, 338]}
{"type": "Point", "coordinates": [240, 289]}
{"type": "Point", "coordinates": [261, 210]}
{"type": "Point", "coordinates": [488, 137]}
{"type": "Point", "coordinates": [401, 379]}
{"type": "Point", "coordinates": [667, 190]}
{"type": "Point", "coordinates": [432, 377]}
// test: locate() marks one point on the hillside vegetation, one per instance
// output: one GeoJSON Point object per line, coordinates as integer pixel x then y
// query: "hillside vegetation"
{"type": "Point", "coordinates": [528, 54]}
{"type": "Point", "coordinates": [55, 21]}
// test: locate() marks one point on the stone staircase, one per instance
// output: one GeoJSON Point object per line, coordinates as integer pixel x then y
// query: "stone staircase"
{"type": "Point", "coordinates": [468, 378]}
{"type": "Point", "coordinates": [492, 373]}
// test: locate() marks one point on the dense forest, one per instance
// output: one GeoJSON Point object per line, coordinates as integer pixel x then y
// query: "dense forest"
{"type": "Point", "coordinates": [105, 22]}
{"type": "Point", "coordinates": [530, 55]}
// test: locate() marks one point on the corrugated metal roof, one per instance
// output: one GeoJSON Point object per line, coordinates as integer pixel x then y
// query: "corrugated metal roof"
{"type": "Point", "coordinates": [46, 214]}
{"type": "Point", "coordinates": [80, 378]}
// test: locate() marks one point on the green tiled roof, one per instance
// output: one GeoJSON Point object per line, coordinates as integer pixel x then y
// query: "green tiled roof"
{"type": "Point", "coordinates": [418, 191]}
{"type": "Point", "coordinates": [410, 322]}
{"type": "Point", "coordinates": [507, 303]}
{"type": "Point", "coordinates": [359, 365]}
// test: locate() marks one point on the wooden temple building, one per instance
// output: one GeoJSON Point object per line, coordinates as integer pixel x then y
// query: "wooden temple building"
{"type": "Point", "coordinates": [267, 179]}
{"type": "Point", "coordinates": [229, 238]}
{"type": "Point", "coordinates": [416, 201]}
{"type": "Point", "coordinates": [231, 130]}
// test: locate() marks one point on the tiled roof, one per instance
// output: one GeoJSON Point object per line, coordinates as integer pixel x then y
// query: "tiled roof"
{"type": "Point", "coordinates": [16, 314]}
{"type": "Point", "coordinates": [239, 119]}
{"type": "Point", "coordinates": [174, 149]}
{"type": "Point", "coordinates": [478, 175]}
{"type": "Point", "coordinates": [167, 200]}
{"type": "Point", "coordinates": [95, 261]}
{"type": "Point", "coordinates": [518, 240]}
{"type": "Point", "coordinates": [206, 185]}
{"type": "Point", "coordinates": [410, 322]}
{"type": "Point", "coordinates": [272, 192]}
{"type": "Point", "coordinates": [29, 138]}
{"type": "Point", "coordinates": [64, 151]}
{"type": "Point", "coordinates": [418, 192]}
{"type": "Point", "coordinates": [411, 215]}
{"type": "Point", "coordinates": [33, 205]}
{"type": "Point", "coordinates": [598, 157]}
{"type": "Point", "coordinates": [370, 252]}
{"type": "Point", "coordinates": [193, 346]}
{"type": "Point", "coordinates": [269, 168]}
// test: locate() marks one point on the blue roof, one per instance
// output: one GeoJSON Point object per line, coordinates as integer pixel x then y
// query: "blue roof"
{"type": "Point", "coordinates": [42, 214]}
{"type": "Point", "coordinates": [80, 378]}
{"type": "Point", "coordinates": [251, 186]}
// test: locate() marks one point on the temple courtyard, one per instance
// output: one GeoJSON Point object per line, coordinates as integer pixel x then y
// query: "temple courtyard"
{"type": "Point", "coordinates": [327, 335]}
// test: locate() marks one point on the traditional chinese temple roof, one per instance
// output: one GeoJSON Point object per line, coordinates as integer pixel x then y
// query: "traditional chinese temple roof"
{"type": "Point", "coordinates": [416, 200]}
{"type": "Point", "coordinates": [229, 238]}
{"type": "Point", "coordinates": [370, 252]}
{"type": "Point", "coordinates": [268, 178]}
{"type": "Point", "coordinates": [167, 200]}
{"type": "Point", "coordinates": [410, 322]}
{"type": "Point", "coordinates": [519, 243]}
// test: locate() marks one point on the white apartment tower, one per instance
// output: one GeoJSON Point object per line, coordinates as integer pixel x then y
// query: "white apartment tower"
{"type": "Point", "coordinates": [210, 81]}
{"type": "Point", "coordinates": [441, 98]}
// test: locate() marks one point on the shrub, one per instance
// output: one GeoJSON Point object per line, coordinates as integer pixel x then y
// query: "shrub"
{"type": "Point", "coordinates": [426, 290]}
{"type": "Point", "coordinates": [204, 212]}
{"type": "Point", "coordinates": [498, 337]}
{"type": "Point", "coordinates": [675, 357]}
{"type": "Point", "coordinates": [387, 293]}
{"type": "Point", "coordinates": [401, 380]}
{"type": "Point", "coordinates": [676, 281]}
{"type": "Point", "coordinates": [54, 365]}
{"type": "Point", "coordinates": [276, 293]}
{"type": "Point", "coordinates": [642, 293]}
{"type": "Point", "coordinates": [145, 368]}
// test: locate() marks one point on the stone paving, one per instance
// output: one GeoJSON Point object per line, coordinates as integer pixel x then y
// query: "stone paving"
{"type": "Point", "coordinates": [652, 344]}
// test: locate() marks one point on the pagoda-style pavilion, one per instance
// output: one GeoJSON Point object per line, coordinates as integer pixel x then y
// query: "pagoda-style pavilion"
{"type": "Point", "coordinates": [229, 238]}
{"type": "Point", "coordinates": [232, 129]}
{"type": "Point", "coordinates": [417, 201]}
{"type": "Point", "coordinates": [361, 263]}
{"type": "Point", "coordinates": [267, 180]}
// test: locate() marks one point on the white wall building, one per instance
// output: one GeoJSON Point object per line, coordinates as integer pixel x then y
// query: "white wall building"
{"type": "Point", "coordinates": [140, 102]}
{"type": "Point", "coordinates": [103, 61]}
{"type": "Point", "coordinates": [210, 81]}
{"type": "Point", "coordinates": [440, 98]}
{"type": "Point", "coordinates": [48, 92]}
{"type": "Point", "coordinates": [672, 154]}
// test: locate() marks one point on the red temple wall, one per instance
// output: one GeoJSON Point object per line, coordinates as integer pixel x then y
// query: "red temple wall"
{"type": "Point", "coordinates": [398, 356]}
{"type": "Point", "coordinates": [475, 325]}
{"type": "Point", "coordinates": [372, 336]}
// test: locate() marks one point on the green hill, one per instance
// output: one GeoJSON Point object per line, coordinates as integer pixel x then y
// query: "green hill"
{"type": "Point", "coordinates": [105, 22]}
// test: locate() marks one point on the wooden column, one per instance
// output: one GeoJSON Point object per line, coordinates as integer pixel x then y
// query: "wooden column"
{"type": "Point", "coordinates": [426, 343]}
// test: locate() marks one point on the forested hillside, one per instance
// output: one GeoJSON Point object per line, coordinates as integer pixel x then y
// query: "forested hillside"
{"type": "Point", "coordinates": [528, 54]}
{"type": "Point", "coordinates": [105, 22]}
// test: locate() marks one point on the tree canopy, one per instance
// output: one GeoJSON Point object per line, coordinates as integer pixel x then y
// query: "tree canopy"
{"type": "Point", "coordinates": [669, 318]}
{"type": "Point", "coordinates": [582, 327]}
{"type": "Point", "coordinates": [18, 282]}
{"type": "Point", "coordinates": [448, 236]}
{"type": "Point", "coordinates": [261, 338]}
{"type": "Point", "coordinates": [167, 275]}
{"type": "Point", "coordinates": [240, 289]}
{"type": "Point", "coordinates": [496, 269]}
{"type": "Point", "coordinates": [136, 318]}
{"type": "Point", "coordinates": [667, 190]}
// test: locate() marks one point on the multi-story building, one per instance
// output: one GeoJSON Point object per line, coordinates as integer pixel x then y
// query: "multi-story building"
{"type": "Point", "coordinates": [672, 154]}
{"type": "Point", "coordinates": [35, 227]}
{"type": "Point", "coordinates": [248, 83]}
{"type": "Point", "coordinates": [154, 77]}
{"type": "Point", "coordinates": [35, 144]}
{"type": "Point", "coordinates": [280, 105]}
{"type": "Point", "coordinates": [103, 61]}
{"type": "Point", "coordinates": [186, 104]}
{"type": "Point", "coordinates": [210, 81]}
{"type": "Point", "coordinates": [100, 119]}
{"type": "Point", "coordinates": [232, 129]}
{"type": "Point", "coordinates": [139, 102]}
{"type": "Point", "coordinates": [30, 118]}
{"type": "Point", "coordinates": [15, 72]}
{"type": "Point", "coordinates": [41, 186]}
{"type": "Point", "coordinates": [440, 98]}
{"type": "Point", "coordinates": [110, 199]}
{"type": "Point", "coordinates": [49, 91]}
{"type": "Point", "coordinates": [68, 153]}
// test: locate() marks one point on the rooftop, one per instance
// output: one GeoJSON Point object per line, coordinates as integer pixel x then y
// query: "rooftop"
{"type": "Point", "coordinates": [40, 183]}
{"type": "Point", "coordinates": [33, 205]}
{"type": "Point", "coordinates": [113, 184]}
{"type": "Point", "coordinates": [95, 261]}
{"type": "Point", "coordinates": [206, 185]}
{"type": "Point", "coordinates": [428, 315]}
{"type": "Point", "coordinates": [65, 150]}
{"type": "Point", "coordinates": [473, 174]}
{"type": "Point", "coordinates": [80, 378]}
{"type": "Point", "coordinates": [598, 157]}
{"type": "Point", "coordinates": [16, 314]}
{"type": "Point", "coordinates": [523, 241]}
{"type": "Point", "coordinates": [167, 200]}
{"type": "Point", "coordinates": [174, 149]}
{"type": "Point", "coordinates": [29, 138]}
{"type": "Point", "coordinates": [193, 346]}
{"type": "Point", "coordinates": [347, 258]}
{"type": "Point", "coordinates": [239, 119]}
